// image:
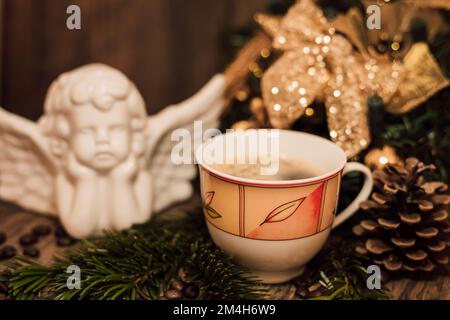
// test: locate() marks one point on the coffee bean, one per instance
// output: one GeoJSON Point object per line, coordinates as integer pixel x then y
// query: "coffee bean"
{"type": "Point", "coordinates": [176, 285]}
{"type": "Point", "coordinates": [2, 237]}
{"type": "Point", "coordinates": [60, 232]}
{"type": "Point", "coordinates": [42, 230]}
{"type": "Point", "coordinates": [7, 252]}
{"type": "Point", "coordinates": [173, 294]}
{"type": "Point", "coordinates": [27, 240]}
{"type": "Point", "coordinates": [65, 241]}
{"type": "Point", "coordinates": [32, 252]}
{"type": "Point", "coordinates": [191, 291]}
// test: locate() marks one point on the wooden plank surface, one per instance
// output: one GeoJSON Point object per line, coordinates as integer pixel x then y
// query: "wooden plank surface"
{"type": "Point", "coordinates": [16, 222]}
{"type": "Point", "coordinates": [169, 48]}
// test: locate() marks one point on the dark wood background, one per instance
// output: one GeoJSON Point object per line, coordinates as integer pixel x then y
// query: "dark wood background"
{"type": "Point", "coordinates": [169, 48]}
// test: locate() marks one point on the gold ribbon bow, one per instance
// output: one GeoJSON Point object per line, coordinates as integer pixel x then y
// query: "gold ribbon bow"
{"type": "Point", "coordinates": [319, 63]}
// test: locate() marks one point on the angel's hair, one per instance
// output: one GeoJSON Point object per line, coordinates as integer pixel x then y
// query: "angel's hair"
{"type": "Point", "coordinates": [95, 84]}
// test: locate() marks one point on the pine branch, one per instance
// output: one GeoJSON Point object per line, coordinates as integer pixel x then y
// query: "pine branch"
{"type": "Point", "coordinates": [137, 264]}
{"type": "Point", "coordinates": [141, 262]}
{"type": "Point", "coordinates": [338, 272]}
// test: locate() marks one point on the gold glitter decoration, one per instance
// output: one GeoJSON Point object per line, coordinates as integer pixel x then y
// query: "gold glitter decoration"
{"type": "Point", "coordinates": [436, 4]}
{"type": "Point", "coordinates": [424, 79]}
{"type": "Point", "coordinates": [319, 64]}
{"type": "Point", "coordinates": [270, 24]}
{"type": "Point", "coordinates": [377, 158]}
{"type": "Point", "coordinates": [399, 15]}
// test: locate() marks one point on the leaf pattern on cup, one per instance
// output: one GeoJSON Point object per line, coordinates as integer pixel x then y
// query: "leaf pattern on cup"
{"type": "Point", "coordinates": [283, 211]}
{"type": "Point", "coordinates": [207, 199]}
{"type": "Point", "coordinates": [212, 212]}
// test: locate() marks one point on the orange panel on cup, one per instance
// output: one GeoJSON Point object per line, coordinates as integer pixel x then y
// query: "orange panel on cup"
{"type": "Point", "coordinates": [269, 213]}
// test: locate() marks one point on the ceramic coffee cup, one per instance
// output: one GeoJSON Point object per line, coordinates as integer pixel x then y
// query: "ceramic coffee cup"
{"type": "Point", "coordinates": [274, 227]}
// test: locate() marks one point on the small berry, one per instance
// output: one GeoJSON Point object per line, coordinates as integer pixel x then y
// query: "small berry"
{"type": "Point", "coordinates": [191, 291]}
{"type": "Point", "coordinates": [7, 252]}
{"type": "Point", "coordinates": [27, 240]}
{"type": "Point", "coordinates": [42, 230]}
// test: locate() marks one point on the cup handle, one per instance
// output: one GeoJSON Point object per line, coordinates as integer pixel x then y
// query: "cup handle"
{"type": "Point", "coordinates": [363, 194]}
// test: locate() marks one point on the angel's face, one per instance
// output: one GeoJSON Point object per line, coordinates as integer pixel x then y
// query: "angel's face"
{"type": "Point", "coordinates": [100, 139]}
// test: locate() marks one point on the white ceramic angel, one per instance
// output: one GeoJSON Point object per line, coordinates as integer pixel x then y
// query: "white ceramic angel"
{"type": "Point", "coordinates": [95, 159]}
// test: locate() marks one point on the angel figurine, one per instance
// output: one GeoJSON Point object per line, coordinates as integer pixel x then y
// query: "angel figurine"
{"type": "Point", "coordinates": [95, 159]}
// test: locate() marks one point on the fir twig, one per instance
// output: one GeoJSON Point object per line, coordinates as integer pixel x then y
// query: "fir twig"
{"type": "Point", "coordinates": [338, 272]}
{"type": "Point", "coordinates": [137, 264]}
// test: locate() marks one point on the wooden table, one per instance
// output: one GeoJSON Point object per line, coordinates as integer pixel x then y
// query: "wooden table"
{"type": "Point", "coordinates": [15, 222]}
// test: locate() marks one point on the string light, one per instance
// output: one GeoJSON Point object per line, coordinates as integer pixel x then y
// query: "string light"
{"type": "Point", "coordinates": [253, 66]}
{"type": "Point", "coordinates": [308, 61]}
{"type": "Point", "coordinates": [265, 53]}
{"type": "Point", "coordinates": [383, 160]}
{"type": "Point", "coordinates": [309, 112]}
{"type": "Point", "coordinates": [241, 95]}
{"type": "Point", "coordinates": [395, 46]}
{"type": "Point", "coordinates": [258, 73]}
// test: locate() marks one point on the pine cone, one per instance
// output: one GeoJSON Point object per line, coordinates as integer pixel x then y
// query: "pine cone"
{"type": "Point", "coordinates": [409, 229]}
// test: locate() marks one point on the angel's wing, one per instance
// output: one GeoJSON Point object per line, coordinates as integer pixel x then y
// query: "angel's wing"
{"type": "Point", "coordinates": [26, 167]}
{"type": "Point", "coordinates": [171, 182]}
